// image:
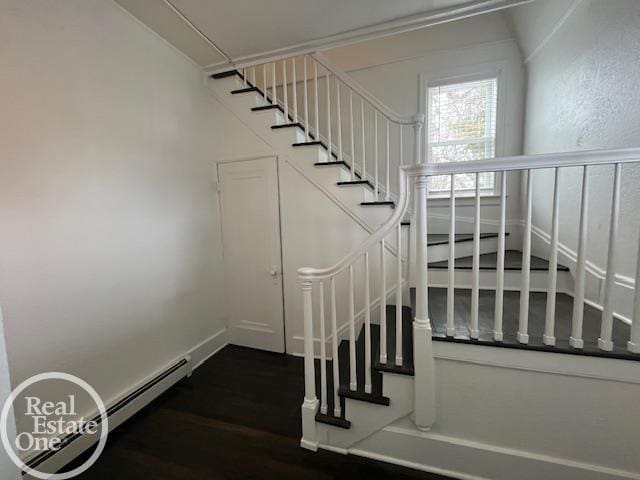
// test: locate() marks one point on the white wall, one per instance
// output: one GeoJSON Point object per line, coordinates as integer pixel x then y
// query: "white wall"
{"type": "Point", "coordinates": [110, 252]}
{"type": "Point", "coordinates": [397, 69]}
{"type": "Point", "coordinates": [511, 414]}
{"type": "Point", "coordinates": [582, 95]}
{"type": "Point", "coordinates": [7, 468]}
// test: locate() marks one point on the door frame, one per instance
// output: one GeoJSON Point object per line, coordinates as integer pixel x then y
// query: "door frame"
{"type": "Point", "coordinates": [216, 173]}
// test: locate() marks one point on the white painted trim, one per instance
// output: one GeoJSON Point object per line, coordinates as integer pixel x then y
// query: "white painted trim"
{"type": "Point", "coordinates": [438, 51]}
{"type": "Point", "coordinates": [413, 465]}
{"type": "Point", "coordinates": [488, 449]}
{"type": "Point", "coordinates": [383, 29]}
{"type": "Point", "coordinates": [592, 269]}
{"type": "Point", "coordinates": [208, 348]}
{"type": "Point", "coordinates": [598, 368]}
{"type": "Point", "coordinates": [195, 357]}
{"type": "Point", "coordinates": [190, 24]}
{"type": "Point", "coordinates": [529, 162]}
{"type": "Point", "coordinates": [561, 21]}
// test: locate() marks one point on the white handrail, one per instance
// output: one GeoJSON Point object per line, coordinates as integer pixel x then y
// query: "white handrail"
{"type": "Point", "coordinates": [308, 273]}
{"type": "Point", "coordinates": [367, 96]}
{"type": "Point", "coordinates": [529, 162]}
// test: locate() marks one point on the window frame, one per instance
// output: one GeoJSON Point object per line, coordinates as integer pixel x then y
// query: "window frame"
{"type": "Point", "coordinates": [466, 74]}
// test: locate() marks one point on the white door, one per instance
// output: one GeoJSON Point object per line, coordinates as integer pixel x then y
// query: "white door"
{"type": "Point", "coordinates": [251, 248]}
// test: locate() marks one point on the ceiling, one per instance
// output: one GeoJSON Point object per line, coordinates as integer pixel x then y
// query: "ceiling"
{"type": "Point", "coordinates": [246, 28]}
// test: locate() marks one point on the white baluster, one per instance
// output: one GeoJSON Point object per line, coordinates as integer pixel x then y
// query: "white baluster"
{"type": "Point", "coordinates": [310, 404]}
{"type": "Point", "coordinates": [334, 349]}
{"type": "Point", "coordinates": [323, 355]}
{"type": "Point", "coordinates": [497, 326]}
{"type": "Point", "coordinates": [315, 100]}
{"type": "Point", "coordinates": [575, 340]}
{"type": "Point", "coordinates": [328, 116]}
{"type": "Point", "coordinates": [400, 145]}
{"type": "Point", "coordinates": [383, 305]}
{"type": "Point", "coordinates": [375, 155]}
{"type": "Point", "coordinates": [306, 100]}
{"type": "Point", "coordinates": [274, 99]}
{"type": "Point", "coordinates": [633, 345]}
{"type": "Point", "coordinates": [339, 109]}
{"type": "Point", "coordinates": [424, 378]}
{"type": "Point", "coordinates": [386, 168]}
{"type": "Point", "coordinates": [523, 324]}
{"type": "Point", "coordinates": [285, 91]}
{"type": "Point", "coordinates": [475, 275]}
{"type": "Point", "coordinates": [264, 82]}
{"type": "Point", "coordinates": [294, 85]}
{"type": "Point", "coordinates": [550, 317]}
{"type": "Point", "coordinates": [451, 328]}
{"type": "Point", "coordinates": [604, 342]}
{"type": "Point", "coordinates": [244, 77]}
{"type": "Point", "coordinates": [253, 76]}
{"type": "Point", "coordinates": [353, 382]}
{"type": "Point", "coordinates": [363, 145]}
{"type": "Point", "coordinates": [353, 147]}
{"type": "Point", "coordinates": [399, 297]}
{"type": "Point", "coordinates": [367, 326]}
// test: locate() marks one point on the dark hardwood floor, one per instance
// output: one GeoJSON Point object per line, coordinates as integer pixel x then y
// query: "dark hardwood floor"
{"type": "Point", "coordinates": [237, 417]}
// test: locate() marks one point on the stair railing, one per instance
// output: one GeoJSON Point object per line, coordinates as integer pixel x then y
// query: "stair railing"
{"type": "Point", "coordinates": [333, 109]}
{"type": "Point", "coordinates": [528, 164]}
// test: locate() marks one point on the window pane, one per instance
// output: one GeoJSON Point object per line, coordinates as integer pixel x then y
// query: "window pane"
{"type": "Point", "coordinates": [460, 153]}
{"type": "Point", "coordinates": [462, 111]}
{"type": "Point", "coordinates": [462, 127]}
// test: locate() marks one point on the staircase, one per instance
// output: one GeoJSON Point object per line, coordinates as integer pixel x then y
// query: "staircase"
{"type": "Point", "coordinates": [438, 305]}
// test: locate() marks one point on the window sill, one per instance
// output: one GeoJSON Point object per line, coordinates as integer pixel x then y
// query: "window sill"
{"type": "Point", "coordinates": [467, 200]}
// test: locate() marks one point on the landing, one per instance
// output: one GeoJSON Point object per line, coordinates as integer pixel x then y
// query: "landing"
{"type": "Point", "coordinates": [238, 416]}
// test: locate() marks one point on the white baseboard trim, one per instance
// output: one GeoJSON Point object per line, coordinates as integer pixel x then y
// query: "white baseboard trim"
{"type": "Point", "coordinates": [414, 465]}
{"type": "Point", "coordinates": [208, 348]}
{"type": "Point", "coordinates": [149, 389]}
{"type": "Point", "coordinates": [470, 460]}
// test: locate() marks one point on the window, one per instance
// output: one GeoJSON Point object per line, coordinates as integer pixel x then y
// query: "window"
{"type": "Point", "coordinates": [462, 127]}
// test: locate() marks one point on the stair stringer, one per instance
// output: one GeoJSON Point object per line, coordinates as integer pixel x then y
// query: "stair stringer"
{"type": "Point", "coordinates": [577, 421]}
{"type": "Point", "coordinates": [369, 418]}
{"type": "Point", "coordinates": [302, 158]}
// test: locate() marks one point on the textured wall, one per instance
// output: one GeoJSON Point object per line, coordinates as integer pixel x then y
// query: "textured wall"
{"type": "Point", "coordinates": [583, 95]}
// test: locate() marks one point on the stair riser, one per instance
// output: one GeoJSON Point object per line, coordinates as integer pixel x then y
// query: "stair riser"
{"type": "Point", "coordinates": [304, 157]}
{"type": "Point", "coordinates": [512, 280]}
{"type": "Point", "coordinates": [368, 418]}
{"type": "Point", "coordinates": [329, 176]}
{"type": "Point", "coordinates": [437, 253]}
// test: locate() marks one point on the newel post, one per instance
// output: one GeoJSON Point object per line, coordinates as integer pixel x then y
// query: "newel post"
{"type": "Point", "coordinates": [424, 407]}
{"type": "Point", "coordinates": [417, 159]}
{"type": "Point", "coordinates": [310, 404]}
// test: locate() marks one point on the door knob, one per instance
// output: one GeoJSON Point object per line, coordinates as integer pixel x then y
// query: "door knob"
{"type": "Point", "coordinates": [273, 272]}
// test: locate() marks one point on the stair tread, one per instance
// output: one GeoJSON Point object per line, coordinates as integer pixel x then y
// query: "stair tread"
{"type": "Point", "coordinates": [443, 238]}
{"type": "Point", "coordinates": [488, 261]}
{"type": "Point", "coordinates": [244, 90]}
{"type": "Point", "coordinates": [406, 368]}
{"type": "Point", "coordinates": [286, 125]}
{"type": "Point", "coordinates": [356, 182]}
{"type": "Point", "coordinates": [537, 311]}
{"type": "Point", "coordinates": [264, 107]}
{"type": "Point", "coordinates": [227, 74]}
{"type": "Point", "coordinates": [332, 420]}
